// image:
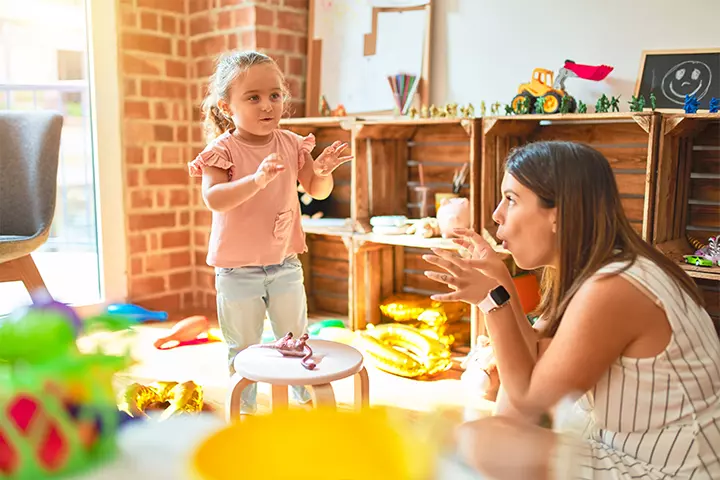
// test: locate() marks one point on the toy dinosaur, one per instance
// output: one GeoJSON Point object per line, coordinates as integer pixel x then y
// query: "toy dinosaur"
{"type": "Point", "coordinates": [714, 106]}
{"type": "Point", "coordinates": [290, 347]}
{"type": "Point", "coordinates": [691, 104]}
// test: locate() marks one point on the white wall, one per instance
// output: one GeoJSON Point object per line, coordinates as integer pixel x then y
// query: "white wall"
{"type": "Point", "coordinates": [484, 49]}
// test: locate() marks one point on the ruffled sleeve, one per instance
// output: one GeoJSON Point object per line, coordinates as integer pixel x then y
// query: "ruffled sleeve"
{"type": "Point", "coordinates": [307, 144]}
{"type": "Point", "coordinates": [214, 155]}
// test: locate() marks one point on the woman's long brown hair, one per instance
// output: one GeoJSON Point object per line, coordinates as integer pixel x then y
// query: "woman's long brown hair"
{"type": "Point", "coordinates": [592, 228]}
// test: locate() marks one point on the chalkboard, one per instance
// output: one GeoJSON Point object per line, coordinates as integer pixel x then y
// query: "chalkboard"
{"type": "Point", "coordinates": [673, 74]}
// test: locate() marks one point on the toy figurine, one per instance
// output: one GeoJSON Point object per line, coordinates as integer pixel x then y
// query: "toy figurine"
{"type": "Point", "coordinates": [339, 111]}
{"type": "Point", "coordinates": [615, 103]}
{"type": "Point", "coordinates": [451, 110]}
{"type": "Point", "coordinates": [495, 108]}
{"type": "Point", "coordinates": [637, 104]}
{"type": "Point", "coordinates": [714, 106]}
{"type": "Point", "coordinates": [691, 104]}
{"type": "Point", "coordinates": [482, 108]}
{"type": "Point", "coordinates": [565, 104]}
{"type": "Point", "coordinates": [582, 108]}
{"type": "Point", "coordinates": [470, 110]}
{"type": "Point", "coordinates": [434, 111]}
{"type": "Point", "coordinates": [653, 101]}
{"type": "Point", "coordinates": [325, 109]}
{"type": "Point", "coordinates": [602, 105]}
{"type": "Point", "coordinates": [540, 105]}
{"type": "Point", "coordinates": [508, 110]}
{"type": "Point", "coordinates": [424, 112]}
{"type": "Point", "coordinates": [413, 112]}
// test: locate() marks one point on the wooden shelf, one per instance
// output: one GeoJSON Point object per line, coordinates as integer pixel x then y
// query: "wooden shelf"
{"type": "Point", "coordinates": [340, 227]}
{"type": "Point", "coordinates": [707, 273]}
{"type": "Point", "coordinates": [319, 122]}
{"type": "Point", "coordinates": [413, 241]}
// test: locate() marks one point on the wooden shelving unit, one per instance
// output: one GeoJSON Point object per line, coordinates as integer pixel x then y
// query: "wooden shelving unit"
{"type": "Point", "coordinates": [688, 194]}
{"type": "Point", "coordinates": [667, 168]}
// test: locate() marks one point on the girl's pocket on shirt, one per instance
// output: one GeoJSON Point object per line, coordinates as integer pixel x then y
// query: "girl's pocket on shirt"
{"type": "Point", "coordinates": [283, 223]}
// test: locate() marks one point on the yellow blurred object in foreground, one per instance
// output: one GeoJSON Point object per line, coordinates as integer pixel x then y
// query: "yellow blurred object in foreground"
{"type": "Point", "coordinates": [322, 444]}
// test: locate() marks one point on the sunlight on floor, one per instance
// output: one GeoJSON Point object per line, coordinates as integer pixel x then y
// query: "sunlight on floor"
{"type": "Point", "coordinates": [70, 277]}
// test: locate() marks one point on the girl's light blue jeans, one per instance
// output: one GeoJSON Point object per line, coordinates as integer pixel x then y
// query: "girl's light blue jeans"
{"type": "Point", "coordinates": [245, 295]}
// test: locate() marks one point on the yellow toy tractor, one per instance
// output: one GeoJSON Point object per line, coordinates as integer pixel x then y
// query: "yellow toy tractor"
{"type": "Point", "coordinates": [552, 90]}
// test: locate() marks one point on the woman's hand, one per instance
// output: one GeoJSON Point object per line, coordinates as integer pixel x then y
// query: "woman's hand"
{"type": "Point", "coordinates": [270, 168]}
{"type": "Point", "coordinates": [330, 159]}
{"type": "Point", "coordinates": [472, 277]}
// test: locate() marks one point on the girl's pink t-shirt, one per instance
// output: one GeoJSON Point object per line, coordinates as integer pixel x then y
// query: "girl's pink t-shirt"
{"type": "Point", "coordinates": [267, 227]}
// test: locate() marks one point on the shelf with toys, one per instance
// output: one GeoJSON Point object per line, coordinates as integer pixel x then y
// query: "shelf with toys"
{"type": "Point", "coordinates": [687, 221]}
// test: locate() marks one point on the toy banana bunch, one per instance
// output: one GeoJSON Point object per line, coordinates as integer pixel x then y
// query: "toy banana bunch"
{"type": "Point", "coordinates": [404, 350]}
{"type": "Point", "coordinates": [179, 398]}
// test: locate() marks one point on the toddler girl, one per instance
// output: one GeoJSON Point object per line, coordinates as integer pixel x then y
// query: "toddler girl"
{"type": "Point", "coordinates": [250, 169]}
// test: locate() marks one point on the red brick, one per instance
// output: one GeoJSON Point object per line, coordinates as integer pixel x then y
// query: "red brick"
{"type": "Point", "coordinates": [208, 46]}
{"type": "Point", "coordinates": [140, 286]}
{"type": "Point", "coordinates": [130, 88]}
{"type": "Point", "coordinates": [128, 18]}
{"type": "Point", "coordinates": [175, 239]}
{"type": "Point", "coordinates": [201, 24]}
{"type": "Point", "coordinates": [301, 45]}
{"type": "Point", "coordinates": [136, 266]}
{"type": "Point", "coordinates": [182, 134]}
{"type": "Point", "coordinates": [182, 48]}
{"type": "Point", "coordinates": [244, 17]}
{"type": "Point", "coordinates": [132, 178]}
{"type": "Point", "coordinates": [179, 198]}
{"type": "Point", "coordinates": [146, 43]}
{"type": "Point", "coordinates": [134, 155]}
{"type": "Point", "coordinates": [160, 111]}
{"type": "Point", "coordinates": [188, 298]}
{"type": "Point", "coordinates": [147, 221]}
{"type": "Point", "coordinates": [264, 17]}
{"type": "Point", "coordinates": [160, 199]}
{"type": "Point", "coordinates": [163, 89]}
{"type": "Point", "coordinates": [141, 199]}
{"type": "Point", "coordinates": [200, 238]}
{"type": "Point", "coordinates": [184, 219]}
{"type": "Point", "coordinates": [137, 244]}
{"type": "Point", "coordinates": [299, 4]}
{"type": "Point", "coordinates": [166, 176]}
{"type": "Point", "coordinates": [297, 22]}
{"type": "Point", "coordinates": [152, 155]}
{"type": "Point", "coordinates": [203, 217]}
{"type": "Point", "coordinates": [148, 21]}
{"type": "Point", "coordinates": [172, 155]}
{"type": "Point", "coordinates": [263, 39]}
{"type": "Point", "coordinates": [296, 66]}
{"type": "Point", "coordinates": [168, 302]}
{"type": "Point", "coordinates": [137, 133]}
{"type": "Point", "coordinates": [154, 242]}
{"type": "Point", "coordinates": [204, 68]}
{"type": "Point", "coordinates": [294, 85]}
{"type": "Point", "coordinates": [173, 68]}
{"type": "Point", "coordinates": [200, 5]}
{"type": "Point", "coordinates": [248, 40]}
{"type": "Point", "coordinates": [170, 25]}
{"type": "Point", "coordinates": [164, 133]}
{"type": "Point", "coordinates": [137, 109]}
{"type": "Point", "coordinates": [200, 257]}
{"type": "Point", "coordinates": [132, 64]}
{"type": "Point", "coordinates": [229, 3]}
{"type": "Point", "coordinates": [176, 6]}
{"type": "Point", "coordinates": [180, 281]}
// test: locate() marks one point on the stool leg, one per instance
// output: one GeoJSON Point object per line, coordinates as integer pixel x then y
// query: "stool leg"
{"type": "Point", "coordinates": [323, 395]}
{"type": "Point", "coordinates": [279, 397]}
{"type": "Point", "coordinates": [362, 390]}
{"type": "Point", "coordinates": [232, 402]}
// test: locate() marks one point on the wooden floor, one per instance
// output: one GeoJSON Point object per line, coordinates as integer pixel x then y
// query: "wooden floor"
{"type": "Point", "coordinates": [206, 365]}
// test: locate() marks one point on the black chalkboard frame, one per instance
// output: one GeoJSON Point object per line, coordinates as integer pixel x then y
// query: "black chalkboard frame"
{"type": "Point", "coordinates": [639, 86]}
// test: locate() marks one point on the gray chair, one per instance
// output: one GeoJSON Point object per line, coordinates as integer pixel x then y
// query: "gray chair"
{"type": "Point", "coordinates": [29, 153]}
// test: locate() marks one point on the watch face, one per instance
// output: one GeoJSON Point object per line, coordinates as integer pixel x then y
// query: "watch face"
{"type": "Point", "coordinates": [499, 295]}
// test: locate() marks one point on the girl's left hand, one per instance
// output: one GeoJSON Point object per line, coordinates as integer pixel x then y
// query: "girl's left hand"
{"type": "Point", "coordinates": [330, 159]}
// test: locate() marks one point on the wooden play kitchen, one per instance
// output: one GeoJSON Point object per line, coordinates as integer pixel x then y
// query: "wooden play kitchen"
{"type": "Point", "coordinates": [667, 168]}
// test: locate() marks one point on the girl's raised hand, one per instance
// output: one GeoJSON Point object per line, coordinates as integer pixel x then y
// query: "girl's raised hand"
{"type": "Point", "coordinates": [269, 169]}
{"type": "Point", "coordinates": [330, 159]}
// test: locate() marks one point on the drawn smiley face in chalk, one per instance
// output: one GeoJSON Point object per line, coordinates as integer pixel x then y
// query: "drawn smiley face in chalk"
{"type": "Point", "coordinates": [686, 78]}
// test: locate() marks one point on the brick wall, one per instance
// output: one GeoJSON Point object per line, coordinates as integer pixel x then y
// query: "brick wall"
{"type": "Point", "coordinates": [167, 48]}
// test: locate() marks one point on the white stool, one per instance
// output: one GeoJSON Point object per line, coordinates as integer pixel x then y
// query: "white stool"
{"type": "Point", "coordinates": [334, 362]}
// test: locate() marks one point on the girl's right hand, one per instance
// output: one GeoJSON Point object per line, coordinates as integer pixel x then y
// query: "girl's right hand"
{"type": "Point", "coordinates": [268, 170]}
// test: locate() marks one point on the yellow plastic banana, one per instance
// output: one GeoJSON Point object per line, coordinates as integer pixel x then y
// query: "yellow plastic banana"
{"type": "Point", "coordinates": [388, 359]}
{"type": "Point", "coordinates": [410, 338]}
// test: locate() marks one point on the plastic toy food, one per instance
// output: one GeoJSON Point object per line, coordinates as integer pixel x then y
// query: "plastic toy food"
{"type": "Point", "coordinates": [172, 397]}
{"type": "Point", "coordinates": [185, 330]}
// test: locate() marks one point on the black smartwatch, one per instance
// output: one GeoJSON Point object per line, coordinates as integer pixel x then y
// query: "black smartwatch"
{"type": "Point", "coordinates": [496, 298]}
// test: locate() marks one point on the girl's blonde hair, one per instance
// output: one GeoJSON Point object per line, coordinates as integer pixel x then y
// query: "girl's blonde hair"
{"type": "Point", "coordinates": [227, 68]}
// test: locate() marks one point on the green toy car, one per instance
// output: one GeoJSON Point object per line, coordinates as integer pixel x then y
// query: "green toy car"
{"type": "Point", "coordinates": [698, 261]}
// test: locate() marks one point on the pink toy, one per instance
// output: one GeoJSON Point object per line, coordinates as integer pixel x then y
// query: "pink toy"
{"type": "Point", "coordinates": [453, 213]}
{"type": "Point", "coordinates": [289, 347]}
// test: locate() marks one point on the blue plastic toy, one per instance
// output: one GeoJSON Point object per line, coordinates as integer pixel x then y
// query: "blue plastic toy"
{"type": "Point", "coordinates": [136, 312]}
{"type": "Point", "coordinates": [714, 105]}
{"type": "Point", "coordinates": [691, 104]}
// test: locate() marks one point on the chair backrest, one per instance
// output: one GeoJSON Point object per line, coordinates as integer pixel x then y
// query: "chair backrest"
{"type": "Point", "coordinates": [29, 153]}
